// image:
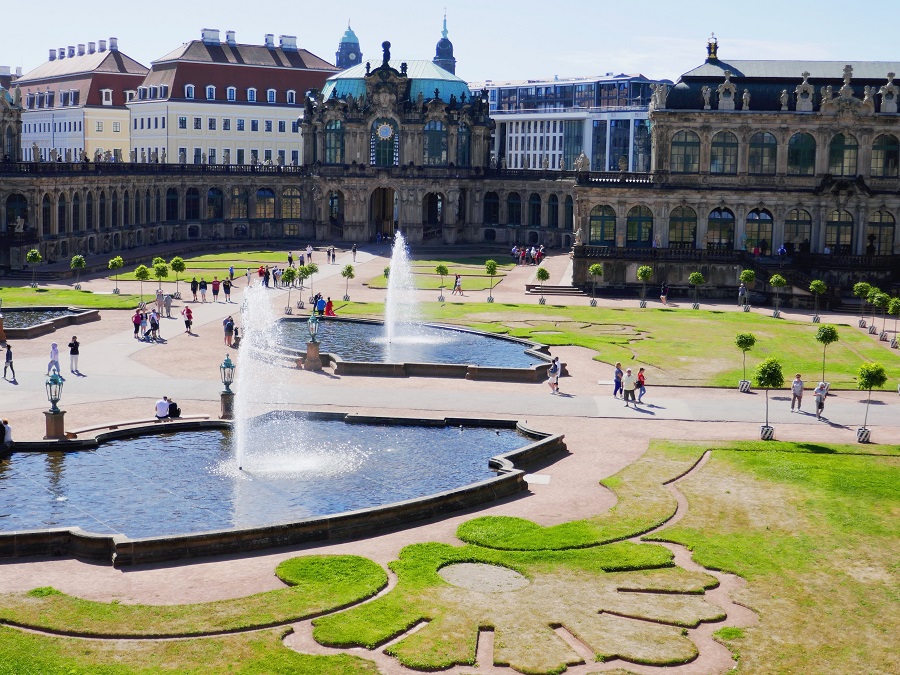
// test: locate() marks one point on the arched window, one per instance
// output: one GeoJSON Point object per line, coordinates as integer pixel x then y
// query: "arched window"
{"type": "Point", "coordinates": [685, 156]}
{"type": "Point", "coordinates": [491, 209]}
{"type": "Point", "coordinates": [114, 207]}
{"type": "Point", "coordinates": [682, 227]}
{"type": "Point", "coordinates": [126, 208]}
{"type": "Point", "coordinates": [148, 202]}
{"type": "Point", "coordinates": [602, 227]}
{"type": "Point", "coordinates": [89, 211]}
{"type": "Point", "coordinates": [336, 206]}
{"type": "Point", "coordinates": [880, 234]}
{"type": "Point", "coordinates": [797, 230]}
{"type": "Point", "coordinates": [231, 94]}
{"type": "Point", "coordinates": [434, 147]}
{"type": "Point", "coordinates": [763, 153]}
{"type": "Point", "coordinates": [384, 146]}
{"type": "Point", "coordinates": [463, 146]}
{"type": "Point", "coordinates": [569, 222]}
{"type": "Point", "coordinates": [720, 230]}
{"type": "Point", "coordinates": [433, 209]}
{"type": "Point", "coordinates": [639, 227]}
{"type": "Point", "coordinates": [76, 213]}
{"type": "Point", "coordinates": [46, 215]}
{"type": "Point", "coordinates": [265, 203]}
{"type": "Point", "coordinates": [192, 204]}
{"type": "Point", "coordinates": [553, 212]}
{"type": "Point", "coordinates": [101, 211]}
{"type": "Point", "coordinates": [842, 153]}
{"type": "Point", "coordinates": [158, 214]}
{"type": "Point", "coordinates": [290, 203]}
{"type": "Point", "coordinates": [885, 156]}
{"type": "Point", "coordinates": [171, 205]}
{"type": "Point", "coordinates": [514, 209]}
{"type": "Point", "coordinates": [334, 142]}
{"type": "Point", "coordinates": [240, 204]}
{"type": "Point", "coordinates": [759, 230]}
{"type": "Point", "coordinates": [723, 154]}
{"type": "Point", "coordinates": [839, 232]}
{"type": "Point", "coordinates": [534, 210]}
{"type": "Point", "coordinates": [802, 155]}
{"type": "Point", "coordinates": [215, 204]}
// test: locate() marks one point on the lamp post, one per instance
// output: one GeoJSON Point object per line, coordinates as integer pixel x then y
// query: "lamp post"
{"type": "Point", "coordinates": [312, 361]}
{"type": "Point", "coordinates": [226, 370]}
{"type": "Point", "coordinates": [54, 418]}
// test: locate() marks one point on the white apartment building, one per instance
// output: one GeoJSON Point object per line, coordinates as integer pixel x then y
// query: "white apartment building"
{"type": "Point", "coordinates": [225, 103]}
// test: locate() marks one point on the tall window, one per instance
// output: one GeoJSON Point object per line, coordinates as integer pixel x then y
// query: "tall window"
{"type": "Point", "coordinates": [189, 91]}
{"type": "Point", "coordinates": [514, 209]}
{"type": "Point", "coordinates": [171, 205]}
{"type": "Point", "coordinates": [603, 226]}
{"type": "Point", "coordinates": [89, 211]}
{"type": "Point", "coordinates": [759, 230]}
{"type": "Point", "coordinates": [334, 142]}
{"type": "Point", "coordinates": [384, 147]}
{"type": "Point", "coordinates": [569, 214]}
{"type": "Point", "coordinates": [114, 207]}
{"type": "Point", "coordinates": [534, 210]}
{"type": "Point", "coordinates": [270, 96]}
{"type": "Point", "coordinates": [839, 232]}
{"type": "Point", "coordinates": [639, 227]}
{"type": "Point", "coordinates": [842, 154]}
{"type": "Point", "coordinates": [76, 213]}
{"type": "Point", "coordinates": [642, 148]}
{"type": "Point", "coordinates": [720, 229]}
{"type": "Point", "coordinates": [435, 144]}
{"type": "Point", "coordinates": [553, 212]}
{"type": "Point", "coordinates": [723, 154]}
{"type": "Point", "coordinates": [763, 153]}
{"type": "Point", "coordinates": [210, 93]}
{"type": "Point", "coordinates": [463, 146]}
{"type": "Point", "coordinates": [491, 209]}
{"type": "Point", "coordinates": [879, 233]}
{"type": "Point", "coordinates": [62, 224]}
{"type": "Point", "coordinates": [682, 227]}
{"type": "Point", "coordinates": [239, 204]}
{"type": "Point", "coordinates": [126, 208]}
{"type": "Point", "coordinates": [798, 229]}
{"type": "Point", "coordinates": [336, 207]}
{"type": "Point", "coordinates": [101, 211]}
{"type": "Point", "coordinates": [192, 204]}
{"type": "Point", "coordinates": [290, 203]}
{"type": "Point", "coordinates": [685, 152]}
{"type": "Point", "coordinates": [802, 155]}
{"type": "Point", "coordinates": [885, 156]}
{"type": "Point", "coordinates": [619, 139]}
{"type": "Point", "coordinates": [251, 95]}
{"type": "Point", "coordinates": [215, 204]}
{"type": "Point", "coordinates": [265, 203]}
{"type": "Point", "coordinates": [231, 94]}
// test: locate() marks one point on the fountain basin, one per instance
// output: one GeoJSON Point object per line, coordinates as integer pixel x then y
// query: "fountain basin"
{"type": "Point", "coordinates": [31, 322]}
{"type": "Point", "coordinates": [164, 481]}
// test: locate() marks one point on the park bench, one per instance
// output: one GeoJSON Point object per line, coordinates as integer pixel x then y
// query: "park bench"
{"type": "Point", "coordinates": [132, 423]}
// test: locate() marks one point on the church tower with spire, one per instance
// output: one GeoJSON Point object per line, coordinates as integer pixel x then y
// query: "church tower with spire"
{"type": "Point", "coordinates": [443, 54]}
{"type": "Point", "coordinates": [348, 53]}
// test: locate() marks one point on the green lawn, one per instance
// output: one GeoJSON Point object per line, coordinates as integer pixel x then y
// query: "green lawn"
{"type": "Point", "coordinates": [33, 297]}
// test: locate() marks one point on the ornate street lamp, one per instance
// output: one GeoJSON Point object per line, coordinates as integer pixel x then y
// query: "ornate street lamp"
{"type": "Point", "coordinates": [226, 370]}
{"type": "Point", "coordinates": [312, 361]}
{"type": "Point", "coordinates": [54, 418]}
{"type": "Point", "coordinates": [313, 326]}
{"type": "Point", "coordinates": [54, 386]}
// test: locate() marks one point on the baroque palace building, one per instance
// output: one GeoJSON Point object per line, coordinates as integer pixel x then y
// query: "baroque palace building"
{"type": "Point", "coordinates": [744, 155]}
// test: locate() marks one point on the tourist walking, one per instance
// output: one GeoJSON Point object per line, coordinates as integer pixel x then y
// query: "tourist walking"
{"type": "Point", "coordinates": [194, 287]}
{"type": "Point", "coordinates": [167, 301]}
{"type": "Point", "coordinates": [553, 375]}
{"type": "Point", "coordinates": [231, 273]}
{"type": "Point", "coordinates": [54, 359]}
{"type": "Point", "coordinates": [73, 354]}
{"type": "Point", "coordinates": [136, 321]}
{"type": "Point", "coordinates": [226, 289]}
{"type": "Point", "coordinates": [249, 278]}
{"type": "Point", "coordinates": [353, 250]}
{"type": "Point", "coordinates": [796, 392]}
{"type": "Point", "coordinates": [290, 258]}
{"type": "Point", "coordinates": [333, 256]}
{"type": "Point", "coordinates": [457, 286]}
{"type": "Point", "coordinates": [629, 383]}
{"type": "Point", "coordinates": [309, 253]}
{"type": "Point", "coordinates": [143, 325]}
{"type": "Point", "coordinates": [820, 392]}
{"type": "Point", "coordinates": [642, 385]}
{"type": "Point", "coordinates": [215, 288]}
{"type": "Point", "coordinates": [617, 380]}
{"type": "Point", "coordinates": [664, 293]}
{"type": "Point", "coordinates": [154, 325]}
{"type": "Point", "coordinates": [160, 300]}
{"type": "Point", "coordinates": [8, 362]}
{"type": "Point", "coordinates": [188, 319]}
{"type": "Point", "coordinates": [202, 289]}
{"type": "Point", "coordinates": [742, 295]}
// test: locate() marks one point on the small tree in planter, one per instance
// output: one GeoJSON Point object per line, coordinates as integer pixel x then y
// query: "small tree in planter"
{"type": "Point", "coordinates": [490, 268]}
{"type": "Point", "coordinates": [348, 273]}
{"type": "Point", "coordinates": [77, 263]}
{"type": "Point", "coordinates": [696, 280]}
{"type": "Point", "coordinates": [142, 274]}
{"type": "Point", "coordinates": [769, 376]}
{"type": "Point", "coordinates": [777, 282]}
{"type": "Point", "coordinates": [542, 276]}
{"type": "Point", "coordinates": [881, 301]}
{"type": "Point", "coordinates": [289, 276]}
{"type": "Point", "coordinates": [644, 272]}
{"type": "Point", "coordinates": [874, 291]}
{"type": "Point", "coordinates": [33, 257]}
{"type": "Point", "coordinates": [302, 275]}
{"type": "Point", "coordinates": [861, 290]}
{"type": "Point", "coordinates": [312, 268]}
{"type": "Point", "coordinates": [870, 376]}
{"type": "Point", "coordinates": [894, 311]}
{"type": "Point", "coordinates": [745, 342]}
{"type": "Point", "coordinates": [595, 270]}
{"type": "Point", "coordinates": [160, 271]}
{"type": "Point", "coordinates": [442, 271]}
{"type": "Point", "coordinates": [114, 265]}
{"type": "Point", "coordinates": [817, 287]}
{"type": "Point", "coordinates": [749, 278]}
{"type": "Point", "coordinates": [826, 335]}
{"type": "Point", "coordinates": [177, 265]}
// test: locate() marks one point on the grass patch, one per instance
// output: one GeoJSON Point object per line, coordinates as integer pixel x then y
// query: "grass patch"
{"type": "Point", "coordinates": [64, 297]}
{"type": "Point", "coordinates": [431, 281]}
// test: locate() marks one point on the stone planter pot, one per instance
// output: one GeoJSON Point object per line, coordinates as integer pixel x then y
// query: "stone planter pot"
{"type": "Point", "coordinates": [863, 434]}
{"type": "Point", "coordinates": [288, 310]}
{"type": "Point", "coordinates": [744, 386]}
{"type": "Point", "coordinates": [696, 305]}
{"type": "Point", "coordinates": [441, 298]}
{"type": "Point", "coordinates": [542, 301]}
{"type": "Point", "coordinates": [872, 329]}
{"type": "Point", "coordinates": [894, 343]}
{"type": "Point", "coordinates": [776, 314]}
{"type": "Point", "coordinates": [300, 304]}
{"type": "Point", "coordinates": [883, 336]}
{"type": "Point", "coordinates": [593, 302]}
{"type": "Point", "coordinates": [116, 291]}
{"type": "Point", "coordinates": [862, 323]}
{"type": "Point", "coordinates": [77, 287]}
{"type": "Point", "coordinates": [490, 298]}
{"type": "Point", "coordinates": [766, 433]}
{"type": "Point", "coordinates": [817, 319]}
{"type": "Point", "coordinates": [746, 308]}
{"type": "Point", "coordinates": [643, 304]}
{"type": "Point", "coordinates": [347, 298]}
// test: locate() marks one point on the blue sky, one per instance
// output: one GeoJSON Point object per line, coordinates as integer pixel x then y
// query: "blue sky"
{"type": "Point", "coordinates": [492, 40]}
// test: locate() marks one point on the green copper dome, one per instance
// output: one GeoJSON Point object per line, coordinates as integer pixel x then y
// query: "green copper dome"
{"type": "Point", "coordinates": [350, 36]}
{"type": "Point", "coordinates": [425, 77]}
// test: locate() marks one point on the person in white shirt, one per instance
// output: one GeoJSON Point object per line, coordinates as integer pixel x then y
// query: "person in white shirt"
{"type": "Point", "coordinates": [162, 409]}
{"type": "Point", "coordinates": [796, 392]}
{"type": "Point", "coordinates": [54, 359]}
{"type": "Point", "coordinates": [820, 393]}
{"type": "Point", "coordinates": [629, 382]}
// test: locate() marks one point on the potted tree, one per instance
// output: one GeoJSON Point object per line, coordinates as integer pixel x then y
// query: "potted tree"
{"type": "Point", "coordinates": [77, 263]}
{"type": "Point", "coordinates": [696, 280]}
{"type": "Point", "coordinates": [817, 287]}
{"type": "Point", "coordinates": [777, 282]}
{"type": "Point", "coordinates": [142, 274]}
{"type": "Point", "coordinates": [870, 298]}
{"type": "Point", "coordinates": [644, 272]}
{"type": "Point", "coordinates": [177, 265]}
{"type": "Point", "coordinates": [490, 268]}
{"type": "Point", "coordinates": [442, 271]}
{"type": "Point", "coordinates": [894, 310]}
{"type": "Point", "coordinates": [825, 336]}
{"type": "Point", "coordinates": [769, 376]}
{"type": "Point", "coordinates": [542, 276]}
{"type": "Point", "coordinates": [33, 257]}
{"type": "Point", "coordinates": [114, 265]}
{"type": "Point", "coordinates": [881, 301]}
{"type": "Point", "coordinates": [870, 376]}
{"type": "Point", "coordinates": [348, 273]}
{"type": "Point", "coordinates": [749, 278]}
{"type": "Point", "coordinates": [312, 269]}
{"type": "Point", "coordinates": [861, 290]}
{"type": "Point", "coordinates": [288, 276]}
{"type": "Point", "coordinates": [744, 342]}
{"type": "Point", "coordinates": [302, 275]}
{"type": "Point", "coordinates": [595, 270]}
{"type": "Point", "coordinates": [160, 271]}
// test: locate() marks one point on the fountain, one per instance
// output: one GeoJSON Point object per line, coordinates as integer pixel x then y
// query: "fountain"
{"type": "Point", "coordinates": [401, 312]}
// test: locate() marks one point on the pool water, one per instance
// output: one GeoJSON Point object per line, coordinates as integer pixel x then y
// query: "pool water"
{"type": "Point", "coordinates": [26, 318]}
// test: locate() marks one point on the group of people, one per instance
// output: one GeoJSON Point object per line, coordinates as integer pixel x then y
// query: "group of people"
{"type": "Point", "coordinates": [457, 286]}
{"type": "Point", "coordinates": [166, 409]}
{"type": "Point", "coordinates": [523, 255]}
{"type": "Point", "coordinates": [225, 286]}
{"type": "Point", "coordinates": [322, 306]}
{"type": "Point", "coordinates": [146, 324]}
{"type": "Point", "coordinates": [627, 383]}
{"type": "Point", "coordinates": [819, 394]}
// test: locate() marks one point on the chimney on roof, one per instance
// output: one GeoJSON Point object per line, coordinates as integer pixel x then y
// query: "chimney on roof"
{"type": "Point", "coordinates": [92, 47]}
{"type": "Point", "coordinates": [289, 43]}
{"type": "Point", "coordinates": [102, 46]}
{"type": "Point", "coordinates": [81, 50]}
{"type": "Point", "coordinates": [5, 70]}
{"type": "Point", "coordinates": [19, 71]}
{"type": "Point", "coordinates": [53, 55]}
{"type": "Point", "coordinates": [113, 44]}
{"type": "Point", "coordinates": [71, 52]}
{"type": "Point", "coordinates": [270, 40]}
{"type": "Point", "coordinates": [210, 36]}
{"type": "Point", "coordinates": [61, 53]}
{"type": "Point", "coordinates": [229, 38]}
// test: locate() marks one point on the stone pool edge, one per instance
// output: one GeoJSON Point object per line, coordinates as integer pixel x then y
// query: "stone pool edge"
{"type": "Point", "coordinates": [78, 316]}
{"type": "Point", "coordinates": [120, 550]}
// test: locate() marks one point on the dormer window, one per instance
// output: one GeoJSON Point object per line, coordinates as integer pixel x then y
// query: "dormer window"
{"type": "Point", "coordinates": [129, 95]}
{"type": "Point", "coordinates": [231, 94]}
{"type": "Point", "coordinates": [107, 96]}
{"type": "Point", "coordinates": [291, 97]}
{"type": "Point", "coordinates": [251, 95]}
{"type": "Point", "coordinates": [154, 92]}
{"type": "Point", "coordinates": [50, 97]}
{"type": "Point", "coordinates": [142, 93]}
{"type": "Point", "coordinates": [164, 91]}
{"type": "Point", "coordinates": [73, 97]}
{"type": "Point", "coordinates": [270, 96]}
{"type": "Point", "coordinates": [63, 98]}
{"type": "Point", "coordinates": [189, 91]}
{"type": "Point", "coordinates": [210, 93]}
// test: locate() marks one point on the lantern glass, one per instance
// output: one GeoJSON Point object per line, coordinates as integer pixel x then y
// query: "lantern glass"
{"type": "Point", "coordinates": [54, 387]}
{"type": "Point", "coordinates": [313, 326]}
{"type": "Point", "coordinates": [226, 370]}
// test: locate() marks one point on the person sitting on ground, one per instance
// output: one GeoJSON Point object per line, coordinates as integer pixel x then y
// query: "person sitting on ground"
{"type": "Point", "coordinates": [162, 409]}
{"type": "Point", "coordinates": [174, 410]}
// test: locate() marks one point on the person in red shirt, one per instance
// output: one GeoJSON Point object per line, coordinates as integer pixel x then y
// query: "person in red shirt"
{"type": "Point", "coordinates": [642, 385]}
{"type": "Point", "coordinates": [188, 319]}
{"type": "Point", "coordinates": [215, 288]}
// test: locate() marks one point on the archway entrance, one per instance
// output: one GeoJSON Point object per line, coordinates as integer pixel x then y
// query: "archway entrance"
{"type": "Point", "coordinates": [384, 212]}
